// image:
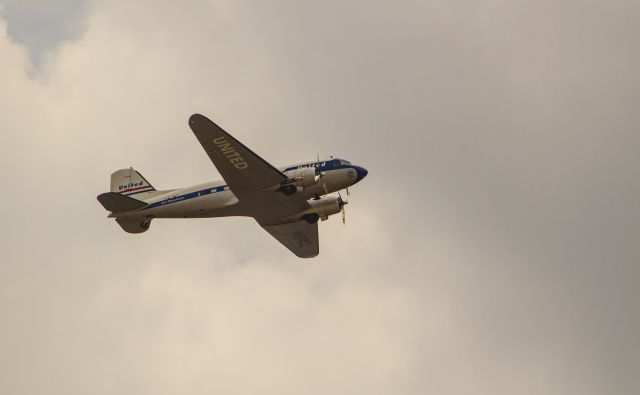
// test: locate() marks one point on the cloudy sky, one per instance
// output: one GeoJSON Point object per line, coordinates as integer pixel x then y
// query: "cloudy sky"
{"type": "Point", "coordinates": [494, 247]}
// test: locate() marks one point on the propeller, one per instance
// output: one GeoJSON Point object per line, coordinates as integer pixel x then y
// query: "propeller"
{"type": "Point", "coordinates": [320, 174]}
{"type": "Point", "coordinates": [344, 216]}
{"type": "Point", "coordinates": [342, 203]}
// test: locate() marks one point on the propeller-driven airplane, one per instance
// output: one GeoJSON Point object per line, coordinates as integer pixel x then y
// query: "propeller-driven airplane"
{"type": "Point", "coordinates": [287, 202]}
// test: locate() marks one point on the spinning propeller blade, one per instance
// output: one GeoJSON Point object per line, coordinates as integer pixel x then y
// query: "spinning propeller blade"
{"type": "Point", "coordinates": [320, 174]}
{"type": "Point", "coordinates": [342, 203]}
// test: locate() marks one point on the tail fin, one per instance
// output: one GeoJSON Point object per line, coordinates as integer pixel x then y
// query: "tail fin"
{"type": "Point", "coordinates": [129, 182]}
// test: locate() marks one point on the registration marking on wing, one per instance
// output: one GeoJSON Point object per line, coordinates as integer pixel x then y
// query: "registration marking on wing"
{"type": "Point", "coordinates": [230, 152]}
{"type": "Point", "coordinates": [301, 239]}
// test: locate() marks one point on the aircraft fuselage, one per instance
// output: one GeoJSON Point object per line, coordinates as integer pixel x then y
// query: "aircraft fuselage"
{"type": "Point", "coordinates": [215, 199]}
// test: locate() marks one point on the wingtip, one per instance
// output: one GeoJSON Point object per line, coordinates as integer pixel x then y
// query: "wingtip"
{"type": "Point", "coordinates": [307, 255]}
{"type": "Point", "coordinates": [197, 118]}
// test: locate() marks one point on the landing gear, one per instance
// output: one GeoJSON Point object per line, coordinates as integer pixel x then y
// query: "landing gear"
{"type": "Point", "coordinates": [311, 218]}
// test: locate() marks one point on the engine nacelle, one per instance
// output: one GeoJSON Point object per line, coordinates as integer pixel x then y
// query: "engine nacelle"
{"type": "Point", "coordinates": [325, 207]}
{"type": "Point", "coordinates": [303, 178]}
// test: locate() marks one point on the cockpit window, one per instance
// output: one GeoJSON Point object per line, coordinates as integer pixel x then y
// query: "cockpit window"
{"type": "Point", "coordinates": [344, 162]}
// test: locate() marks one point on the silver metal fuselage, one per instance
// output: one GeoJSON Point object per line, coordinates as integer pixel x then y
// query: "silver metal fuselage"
{"type": "Point", "coordinates": [215, 199]}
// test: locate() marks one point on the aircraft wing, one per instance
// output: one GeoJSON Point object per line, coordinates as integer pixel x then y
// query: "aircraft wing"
{"type": "Point", "coordinates": [300, 237]}
{"type": "Point", "coordinates": [241, 168]}
{"type": "Point", "coordinates": [249, 177]}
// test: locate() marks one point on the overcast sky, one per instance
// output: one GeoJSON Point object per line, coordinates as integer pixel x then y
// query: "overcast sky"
{"type": "Point", "coordinates": [494, 247]}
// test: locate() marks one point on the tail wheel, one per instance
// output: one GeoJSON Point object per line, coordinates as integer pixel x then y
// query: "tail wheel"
{"type": "Point", "coordinates": [145, 224]}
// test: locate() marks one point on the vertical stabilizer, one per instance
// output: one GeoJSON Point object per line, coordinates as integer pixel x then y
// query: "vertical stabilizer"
{"type": "Point", "coordinates": [129, 182]}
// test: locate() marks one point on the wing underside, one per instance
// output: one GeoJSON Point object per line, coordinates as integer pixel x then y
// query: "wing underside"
{"type": "Point", "coordinates": [241, 168]}
{"type": "Point", "coordinates": [300, 237]}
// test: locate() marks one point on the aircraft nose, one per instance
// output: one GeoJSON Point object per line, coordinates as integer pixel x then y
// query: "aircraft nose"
{"type": "Point", "coordinates": [362, 173]}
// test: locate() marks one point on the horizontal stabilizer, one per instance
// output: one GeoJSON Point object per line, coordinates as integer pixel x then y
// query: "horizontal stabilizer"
{"type": "Point", "coordinates": [117, 203]}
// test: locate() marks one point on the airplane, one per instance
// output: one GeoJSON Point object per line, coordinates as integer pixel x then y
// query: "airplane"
{"type": "Point", "coordinates": [287, 202]}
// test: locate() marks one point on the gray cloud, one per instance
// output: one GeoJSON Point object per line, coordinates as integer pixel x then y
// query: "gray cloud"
{"type": "Point", "coordinates": [41, 25]}
{"type": "Point", "coordinates": [491, 249]}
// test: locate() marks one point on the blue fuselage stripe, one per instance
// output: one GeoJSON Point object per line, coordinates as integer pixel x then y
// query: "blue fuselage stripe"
{"type": "Point", "coordinates": [187, 196]}
{"type": "Point", "coordinates": [324, 166]}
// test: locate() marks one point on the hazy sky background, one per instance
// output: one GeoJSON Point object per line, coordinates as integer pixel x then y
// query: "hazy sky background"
{"type": "Point", "coordinates": [494, 247]}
